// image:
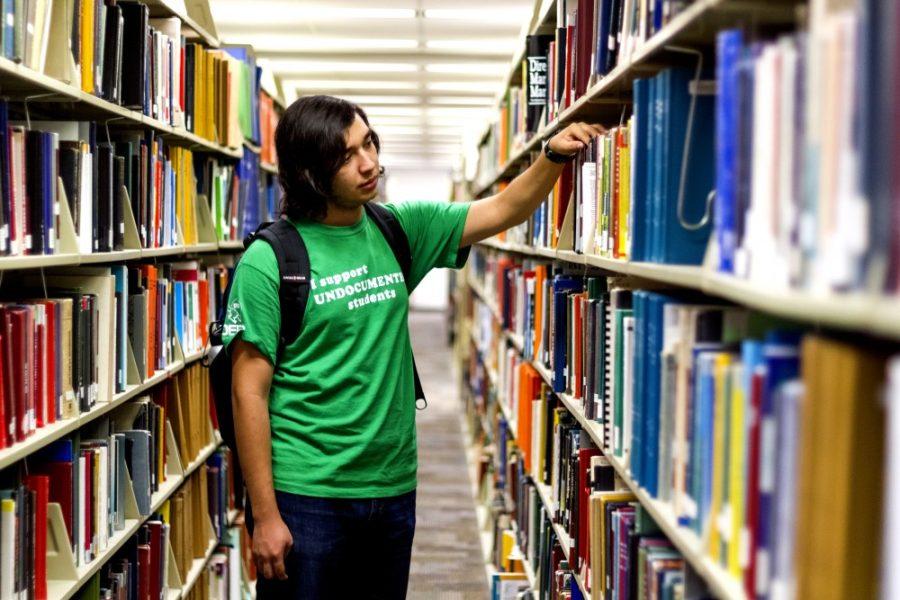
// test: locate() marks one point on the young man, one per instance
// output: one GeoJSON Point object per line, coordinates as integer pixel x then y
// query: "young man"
{"type": "Point", "coordinates": [326, 428]}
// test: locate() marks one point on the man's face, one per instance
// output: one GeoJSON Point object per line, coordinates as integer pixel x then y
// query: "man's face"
{"type": "Point", "coordinates": [356, 182]}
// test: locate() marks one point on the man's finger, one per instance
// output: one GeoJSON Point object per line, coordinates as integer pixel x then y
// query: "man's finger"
{"type": "Point", "coordinates": [278, 568]}
{"type": "Point", "coordinates": [264, 567]}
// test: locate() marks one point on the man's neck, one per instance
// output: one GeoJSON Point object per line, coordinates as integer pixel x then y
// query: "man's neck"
{"type": "Point", "coordinates": [342, 216]}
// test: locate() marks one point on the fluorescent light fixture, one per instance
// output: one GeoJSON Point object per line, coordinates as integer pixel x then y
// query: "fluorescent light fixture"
{"type": "Point", "coordinates": [282, 65]}
{"type": "Point", "coordinates": [472, 68]}
{"type": "Point", "coordinates": [475, 46]}
{"type": "Point", "coordinates": [367, 101]}
{"type": "Point", "coordinates": [337, 84]}
{"type": "Point", "coordinates": [273, 13]}
{"type": "Point", "coordinates": [483, 15]}
{"type": "Point", "coordinates": [458, 111]}
{"type": "Point", "coordinates": [474, 101]}
{"type": "Point", "coordinates": [459, 86]}
{"type": "Point", "coordinates": [274, 42]}
{"type": "Point", "coordinates": [373, 111]}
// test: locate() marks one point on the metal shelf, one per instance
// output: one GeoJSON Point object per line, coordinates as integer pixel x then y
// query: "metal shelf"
{"type": "Point", "coordinates": [869, 313]}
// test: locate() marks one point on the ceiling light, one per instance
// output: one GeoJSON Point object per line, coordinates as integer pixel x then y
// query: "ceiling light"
{"type": "Point", "coordinates": [475, 46]}
{"type": "Point", "coordinates": [472, 68]}
{"type": "Point", "coordinates": [484, 15]}
{"type": "Point", "coordinates": [459, 86]}
{"type": "Point", "coordinates": [474, 101]}
{"type": "Point", "coordinates": [281, 65]}
{"type": "Point", "coordinates": [367, 102]}
{"type": "Point", "coordinates": [337, 84]}
{"type": "Point", "coordinates": [372, 111]}
{"type": "Point", "coordinates": [270, 13]}
{"type": "Point", "coordinates": [286, 42]}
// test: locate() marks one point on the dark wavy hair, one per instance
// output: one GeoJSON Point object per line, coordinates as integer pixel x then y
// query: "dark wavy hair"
{"type": "Point", "coordinates": [309, 141]}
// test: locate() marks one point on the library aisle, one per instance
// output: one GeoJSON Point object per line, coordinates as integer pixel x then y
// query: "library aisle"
{"type": "Point", "coordinates": [447, 561]}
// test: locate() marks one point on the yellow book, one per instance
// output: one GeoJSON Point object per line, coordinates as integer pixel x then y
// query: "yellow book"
{"type": "Point", "coordinates": [605, 498]}
{"type": "Point", "coordinates": [737, 436]}
{"type": "Point", "coordinates": [719, 453]}
{"type": "Point", "coordinates": [210, 83]}
{"type": "Point", "coordinates": [199, 91]}
{"type": "Point", "coordinates": [624, 192]}
{"type": "Point", "coordinates": [87, 46]}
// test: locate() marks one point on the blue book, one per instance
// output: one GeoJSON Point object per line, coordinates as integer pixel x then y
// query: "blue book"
{"type": "Point", "coordinates": [640, 170]}
{"type": "Point", "coordinates": [781, 360]}
{"type": "Point", "coordinates": [651, 391]}
{"type": "Point", "coordinates": [48, 190]}
{"type": "Point", "coordinates": [678, 244]}
{"type": "Point", "coordinates": [178, 293]}
{"type": "Point", "coordinates": [729, 46]}
{"type": "Point", "coordinates": [657, 163]}
{"type": "Point", "coordinates": [120, 273]}
{"type": "Point", "coordinates": [562, 287]}
{"type": "Point", "coordinates": [601, 43]}
{"type": "Point", "coordinates": [639, 372]}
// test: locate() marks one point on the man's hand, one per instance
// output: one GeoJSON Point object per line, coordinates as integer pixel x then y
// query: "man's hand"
{"type": "Point", "coordinates": [526, 192]}
{"type": "Point", "coordinates": [575, 137]}
{"type": "Point", "coordinates": [272, 541]}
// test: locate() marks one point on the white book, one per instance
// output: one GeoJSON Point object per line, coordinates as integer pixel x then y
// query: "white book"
{"type": "Point", "coordinates": [589, 205]}
{"type": "Point", "coordinates": [7, 548]}
{"type": "Point", "coordinates": [627, 392]}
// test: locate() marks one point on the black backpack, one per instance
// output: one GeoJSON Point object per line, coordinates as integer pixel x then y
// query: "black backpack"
{"type": "Point", "coordinates": [293, 293]}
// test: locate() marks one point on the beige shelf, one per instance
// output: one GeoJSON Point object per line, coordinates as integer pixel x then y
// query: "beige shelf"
{"type": "Point", "coordinates": [65, 589]}
{"type": "Point", "coordinates": [876, 315]}
{"type": "Point", "coordinates": [231, 245]}
{"type": "Point", "coordinates": [10, 263]}
{"type": "Point", "coordinates": [193, 575]}
{"type": "Point", "coordinates": [22, 83]}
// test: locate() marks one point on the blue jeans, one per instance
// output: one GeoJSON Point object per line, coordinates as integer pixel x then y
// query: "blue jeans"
{"type": "Point", "coordinates": [344, 548]}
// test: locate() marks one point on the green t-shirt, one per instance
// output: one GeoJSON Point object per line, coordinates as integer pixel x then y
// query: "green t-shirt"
{"type": "Point", "coordinates": [342, 406]}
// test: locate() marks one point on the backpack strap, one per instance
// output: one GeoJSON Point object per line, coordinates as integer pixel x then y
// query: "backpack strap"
{"type": "Point", "coordinates": [396, 238]}
{"type": "Point", "coordinates": [294, 270]}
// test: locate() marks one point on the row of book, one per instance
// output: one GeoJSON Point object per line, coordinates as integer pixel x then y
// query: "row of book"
{"type": "Point", "coordinates": [54, 332]}
{"type": "Point", "coordinates": [800, 195]}
{"type": "Point", "coordinates": [639, 192]}
{"type": "Point", "coordinates": [591, 38]}
{"type": "Point", "coordinates": [121, 54]}
{"type": "Point", "coordinates": [89, 473]}
{"type": "Point", "coordinates": [609, 546]}
{"type": "Point", "coordinates": [714, 410]}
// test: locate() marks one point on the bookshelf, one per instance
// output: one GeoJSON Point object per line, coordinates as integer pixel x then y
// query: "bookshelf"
{"type": "Point", "coordinates": [687, 542]}
{"type": "Point", "coordinates": [695, 26]}
{"type": "Point", "coordinates": [55, 94]}
{"type": "Point", "coordinates": [870, 313]}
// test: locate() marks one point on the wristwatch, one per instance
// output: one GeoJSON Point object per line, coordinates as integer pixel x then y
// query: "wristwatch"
{"type": "Point", "coordinates": [556, 157]}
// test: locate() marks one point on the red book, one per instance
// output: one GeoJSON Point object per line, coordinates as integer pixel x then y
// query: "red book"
{"type": "Point", "coordinates": [570, 66]}
{"type": "Point", "coordinates": [61, 477]}
{"type": "Point", "coordinates": [51, 394]}
{"type": "Point", "coordinates": [40, 485]}
{"type": "Point", "coordinates": [15, 322]}
{"type": "Point", "coordinates": [143, 567]}
{"type": "Point", "coordinates": [148, 274]}
{"type": "Point", "coordinates": [203, 288]}
{"type": "Point", "coordinates": [752, 519]}
{"type": "Point", "coordinates": [39, 372]}
{"type": "Point", "coordinates": [584, 492]}
{"type": "Point", "coordinates": [584, 41]}
{"type": "Point", "coordinates": [155, 559]}
{"type": "Point", "coordinates": [4, 439]}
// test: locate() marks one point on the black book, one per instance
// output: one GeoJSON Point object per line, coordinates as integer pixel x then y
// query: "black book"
{"type": "Point", "coordinates": [560, 64]}
{"type": "Point", "coordinates": [112, 53]}
{"type": "Point", "coordinates": [104, 213]}
{"type": "Point", "coordinates": [95, 192]}
{"type": "Point", "coordinates": [134, 53]}
{"type": "Point", "coordinates": [118, 202]}
{"type": "Point", "coordinates": [190, 55]}
{"type": "Point", "coordinates": [70, 172]}
{"type": "Point", "coordinates": [34, 188]}
{"type": "Point", "coordinates": [537, 84]}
